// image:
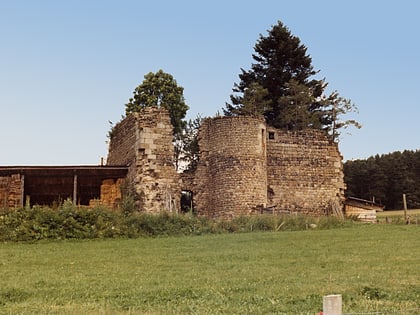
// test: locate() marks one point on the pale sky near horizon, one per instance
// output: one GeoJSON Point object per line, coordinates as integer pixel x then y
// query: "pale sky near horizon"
{"type": "Point", "coordinates": [68, 67]}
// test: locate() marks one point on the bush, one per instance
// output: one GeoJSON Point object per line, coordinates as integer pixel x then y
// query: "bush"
{"type": "Point", "coordinates": [68, 221]}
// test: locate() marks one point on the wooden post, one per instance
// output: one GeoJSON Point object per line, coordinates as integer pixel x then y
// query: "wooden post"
{"type": "Point", "coordinates": [405, 207]}
{"type": "Point", "coordinates": [75, 189]}
{"type": "Point", "coordinates": [22, 190]}
{"type": "Point", "coordinates": [332, 305]}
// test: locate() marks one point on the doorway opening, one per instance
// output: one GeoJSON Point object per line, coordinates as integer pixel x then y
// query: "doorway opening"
{"type": "Point", "coordinates": [187, 204]}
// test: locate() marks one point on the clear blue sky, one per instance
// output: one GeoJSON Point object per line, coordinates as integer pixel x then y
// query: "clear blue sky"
{"type": "Point", "coordinates": [68, 67]}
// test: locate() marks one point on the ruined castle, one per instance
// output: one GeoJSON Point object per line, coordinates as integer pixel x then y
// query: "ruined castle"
{"type": "Point", "coordinates": [245, 167]}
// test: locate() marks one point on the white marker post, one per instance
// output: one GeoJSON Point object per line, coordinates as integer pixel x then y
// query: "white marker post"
{"type": "Point", "coordinates": [332, 305]}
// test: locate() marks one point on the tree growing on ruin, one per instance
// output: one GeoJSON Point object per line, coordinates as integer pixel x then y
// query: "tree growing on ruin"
{"type": "Point", "coordinates": [160, 89]}
{"type": "Point", "coordinates": [336, 107]}
{"type": "Point", "coordinates": [186, 145]}
{"type": "Point", "coordinates": [284, 69]}
{"type": "Point", "coordinates": [254, 101]}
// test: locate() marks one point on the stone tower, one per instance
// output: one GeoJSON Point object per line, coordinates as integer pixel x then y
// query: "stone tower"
{"type": "Point", "coordinates": [231, 177]}
{"type": "Point", "coordinates": [246, 168]}
{"type": "Point", "coordinates": [143, 141]}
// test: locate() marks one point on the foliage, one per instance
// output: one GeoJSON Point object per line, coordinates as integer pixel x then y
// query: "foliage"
{"type": "Point", "coordinates": [161, 90]}
{"type": "Point", "coordinates": [297, 102]}
{"type": "Point", "coordinates": [238, 273]}
{"type": "Point", "coordinates": [280, 85]}
{"type": "Point", "coordinates": [129, 198]}
{"type": "Point", "coordinates": [337, 106]}
{"type": "Point", "coordinates": [186, 148]}
{"type": "Point", "coordinates": [385, 179]}
{"type": "Point", "coordinates": [72, 222]}
{"type": "Point", "coordinates": [254, 101]}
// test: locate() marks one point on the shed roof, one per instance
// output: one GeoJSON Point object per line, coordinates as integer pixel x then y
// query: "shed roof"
{"type": "Point", "coordinates": [103, 172]}
{"type": "Point", "coordinates": [364, 204]}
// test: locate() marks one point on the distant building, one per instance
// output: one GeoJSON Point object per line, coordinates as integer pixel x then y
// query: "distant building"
{"type": "Point", "coordinates": [363, 210]}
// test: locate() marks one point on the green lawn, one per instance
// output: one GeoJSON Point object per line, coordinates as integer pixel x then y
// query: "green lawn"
{"type": "Point", "coordinates": [374, 267]}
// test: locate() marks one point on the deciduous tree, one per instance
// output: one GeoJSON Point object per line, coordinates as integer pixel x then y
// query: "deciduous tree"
{"type": "Point", "coordinates": [161, 90]}
{"type": "Point", "coordinates": [186, 145]}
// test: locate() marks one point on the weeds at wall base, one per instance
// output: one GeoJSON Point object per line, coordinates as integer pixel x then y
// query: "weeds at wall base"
{"type": "Point", "coordinates": [68, 221]}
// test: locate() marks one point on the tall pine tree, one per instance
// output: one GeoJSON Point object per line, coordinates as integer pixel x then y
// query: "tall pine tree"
{"type": "Point", "coordinates": [280, 58]}
{"type": "Point", "coordinates": [293, 99]}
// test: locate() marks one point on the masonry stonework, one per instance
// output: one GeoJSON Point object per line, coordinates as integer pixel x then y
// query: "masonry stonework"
{"type": "Point", "coordinates": [304, 171]}
{"type": "Point", "coordinates": [246, 167]}
{"type": "Point", "coordinates": [143, 142]}
{"type": "Point", "coordinates": [231, 177]}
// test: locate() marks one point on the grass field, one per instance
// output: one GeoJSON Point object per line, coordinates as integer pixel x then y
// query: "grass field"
{"type": "Point", "coordinates": [398, 216]}
{"type": "Point", "coordinates": [374, 267]}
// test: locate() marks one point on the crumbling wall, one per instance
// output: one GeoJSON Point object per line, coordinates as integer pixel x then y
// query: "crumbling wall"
{"type": "Point", "coordinates": [143, 141]}
{"type": "Point", "coordinates": [244, 167]}
{"type": "Point", "coordinates": [304, 171]}
{"type": "Point", "coordinates": [11, 191]}
{"type": "Point", "coordinates": [247, 168]}
{"type": "Point", "coordinates": [231, 176]}
{"type": "Point", "coordinates": [122, 146]}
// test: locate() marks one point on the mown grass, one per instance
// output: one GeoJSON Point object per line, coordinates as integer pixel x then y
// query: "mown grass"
{"type": "Point", "coordinates": [374, 267]}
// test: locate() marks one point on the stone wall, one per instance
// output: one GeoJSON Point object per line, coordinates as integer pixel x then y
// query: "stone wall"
{"type": "Point", "coordinates": [123, 142]}
{"type": "Point", "coordinates": [247, 168]}
{"type": "Point", "coordinates": [11, 191]}
{"type": "Point", "coordinates": [231, 177]}
{"type": "Point", "coordinates": [304, 171]}
{"type": "Point", "coordinates": [143, 141]}
{"type": "Point", "coordinates": [244, 168]}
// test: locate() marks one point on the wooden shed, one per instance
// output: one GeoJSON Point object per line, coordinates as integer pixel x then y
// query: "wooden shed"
{"type": "Point", "coordinates": [364, 210]}
{"type": "Point", "coordinates": [45, 185]}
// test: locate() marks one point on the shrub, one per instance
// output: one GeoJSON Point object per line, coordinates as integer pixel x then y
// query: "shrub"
{"type": "Point", "coordinates": [70, 221]}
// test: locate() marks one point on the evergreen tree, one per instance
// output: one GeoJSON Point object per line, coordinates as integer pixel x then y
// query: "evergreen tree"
{"type": "Point", "coordinates": [296, 107]}
{"type": "Point", "coordinates": [296, 100]}
{"type": "Point", "coordinates": [280, 57]}
{"type": "Point", "coordinates": [254, 101]}
{"type": "Point", "coordinates": [385, 178]}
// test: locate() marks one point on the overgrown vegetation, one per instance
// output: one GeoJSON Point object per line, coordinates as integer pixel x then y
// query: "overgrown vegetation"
{"type": "Point", "coordinates": [71, 222]}
{"type": "Point", "coordinates": [374, 267]}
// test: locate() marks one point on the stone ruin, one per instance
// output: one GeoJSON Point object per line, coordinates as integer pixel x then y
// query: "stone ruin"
{"type": "Point", "coordinates": [143, 142]}
{"type": "Point", "coordinates": [245, 167]}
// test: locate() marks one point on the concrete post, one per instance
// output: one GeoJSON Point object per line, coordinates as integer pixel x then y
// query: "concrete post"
{"type": "Point", "coordinates": [332, 305]}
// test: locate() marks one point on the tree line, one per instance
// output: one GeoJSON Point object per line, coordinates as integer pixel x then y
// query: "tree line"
{"type": "Point", "coordinates": [385, 178]}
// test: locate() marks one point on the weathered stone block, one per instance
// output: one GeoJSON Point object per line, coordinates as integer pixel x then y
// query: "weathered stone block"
{"type": "Point", "coordinates": [150, 157]}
